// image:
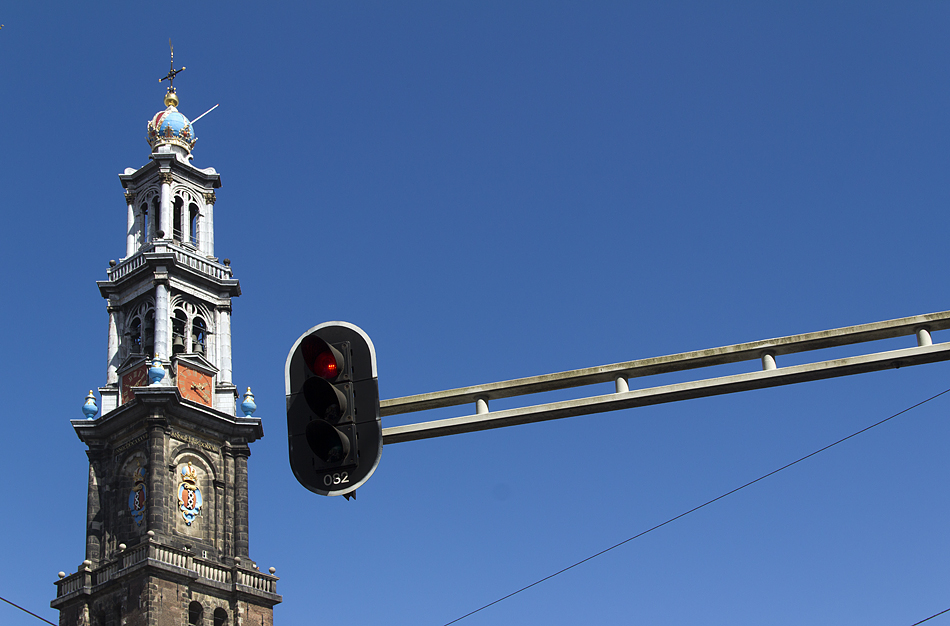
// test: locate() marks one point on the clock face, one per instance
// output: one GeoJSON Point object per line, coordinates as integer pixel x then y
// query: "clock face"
{"type": "Point", "coordinates": [134, 378]}
{"type": "Point", "coordinates": [195, 385]}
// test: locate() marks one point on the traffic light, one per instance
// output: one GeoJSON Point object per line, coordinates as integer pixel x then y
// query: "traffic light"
{"type": "Point", "coordinates": [333, 425]}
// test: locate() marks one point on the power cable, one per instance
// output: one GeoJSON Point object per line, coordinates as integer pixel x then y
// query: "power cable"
{"type": "Point", "coordinates": [30, 612]}
{"type": "Point", "coordinates": [705, 504]}
{"type": "Point", "coordinates": [927, 619]}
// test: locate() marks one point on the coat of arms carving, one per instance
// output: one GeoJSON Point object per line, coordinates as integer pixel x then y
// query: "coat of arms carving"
{"type": "Point", "coordinates": [138, 495]}
{"type": "Point", "coordinates": [189, 495]}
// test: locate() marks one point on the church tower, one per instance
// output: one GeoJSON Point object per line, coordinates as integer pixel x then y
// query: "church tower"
{"type": "Point", "coordinates": [167, 510]}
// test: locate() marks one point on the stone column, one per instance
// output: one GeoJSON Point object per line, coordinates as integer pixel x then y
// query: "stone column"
{"type": "Point", "coordinates": [206, 231]}
{"type": "Point", "coordinates": [165, 214]}
{"type": "Point", "coordinates": [93, 509]}
{"type": "Point", "coordinates": [112, 356]}
{"type": "Point", "coordinates": [241, 533]}
{"type": "Point", "coordinates": [130, 233]}
{"type": "Point", "coordinates": [224, 344]}
{"type": "Point", "coordinates": [220, 489]}
{"type": "Point", "coordinates": [162, 339]}
{"type": "Point", "coordinates": [157, 503]}
{"type": "Point", "coordinates": [228, 504]}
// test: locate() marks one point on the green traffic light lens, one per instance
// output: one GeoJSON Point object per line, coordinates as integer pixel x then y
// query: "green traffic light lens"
{"type": "Point", "coordinates": [328, 443]}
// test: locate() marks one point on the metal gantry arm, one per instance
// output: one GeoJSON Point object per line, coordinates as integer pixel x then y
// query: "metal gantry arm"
{"type": "Point", "coordinates": [770, 375]}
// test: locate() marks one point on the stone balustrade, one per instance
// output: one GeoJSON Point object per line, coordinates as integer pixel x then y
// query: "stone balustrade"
{"type": "Point", "coordinates": [154, 553]}
{"type": "Point", "coordinates": [70, 584]}
{"type": "Point", "coordinates": [182, 257]}
{"type": "Point", "coordinates": [126, 267]}
{"type": "Point", "coordinates": [257, 580]}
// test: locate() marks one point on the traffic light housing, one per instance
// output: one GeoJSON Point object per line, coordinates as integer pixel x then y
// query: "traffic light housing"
{"type": "Point", "coordinates": [333, 426]}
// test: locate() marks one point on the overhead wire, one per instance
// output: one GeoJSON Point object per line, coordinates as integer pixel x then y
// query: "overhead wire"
{"type": "Point", "coordinates": [927, 619]}
{"type": "Point", "coordinates": [705, 504]}
{"type": "Point", "coordinates": [43, 619]}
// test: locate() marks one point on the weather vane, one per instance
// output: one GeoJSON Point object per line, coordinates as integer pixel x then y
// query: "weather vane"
{"type": "Point", "coordinates": [170, 77]}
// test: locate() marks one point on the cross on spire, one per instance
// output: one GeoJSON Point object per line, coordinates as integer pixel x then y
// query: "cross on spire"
{"type": "Point", "coordinates": [170, 77]}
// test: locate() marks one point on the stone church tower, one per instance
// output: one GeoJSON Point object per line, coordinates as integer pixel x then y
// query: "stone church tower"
{"type": "Point", "coordinates": [167, 511]}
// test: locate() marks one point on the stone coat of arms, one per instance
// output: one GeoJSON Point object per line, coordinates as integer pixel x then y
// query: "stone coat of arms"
{"type": "Point", "coordinates": [138, 496]}
{"type": "Point", "coordinates": [189, 496]}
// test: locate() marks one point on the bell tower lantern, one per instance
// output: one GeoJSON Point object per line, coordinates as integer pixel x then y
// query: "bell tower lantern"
{"type": "Point", "coordinates": [167, 538]}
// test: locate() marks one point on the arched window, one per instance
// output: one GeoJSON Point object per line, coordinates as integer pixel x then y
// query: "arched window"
{"type": "Point", "coordinates": [153, 223]}
{"type": "Point", "coordinates": [135, 336]}
{"type": "Point", "coordinates": [178, 224]}
{"type": "Point", "coordinates": [189, 328]}
{"type": "Point", "coordinates": [179, 323]}
{"type": "Point", "coordinates": [220, 617]}
{"type": "Point", "coordinates": [194, 613]}
{"type": "Point", "coordinates": [139, 335]}
{"type": "Point", "coordinates": [143, 224]}
{"type": "Point", "coordinates": [193, 213]}
{"type": "Point", "coordinates": [198, 332]}
{"type": "Point", "coordinates": [148, 333]}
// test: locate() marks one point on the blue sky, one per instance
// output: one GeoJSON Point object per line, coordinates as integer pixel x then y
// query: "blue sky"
{"type": "Point", "coordinates": [514, 189]}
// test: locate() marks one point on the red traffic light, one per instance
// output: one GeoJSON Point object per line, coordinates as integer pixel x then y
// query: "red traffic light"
{"type": "Point", "coordinates": [334, 434]}
{"type": "Point", "coordinates": [323, 359]}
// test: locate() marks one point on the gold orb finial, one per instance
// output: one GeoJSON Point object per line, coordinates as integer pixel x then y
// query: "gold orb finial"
{"type": "Point", "coordinates": [171, 99]}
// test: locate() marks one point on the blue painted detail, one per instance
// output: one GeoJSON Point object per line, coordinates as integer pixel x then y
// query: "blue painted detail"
{"type": "Point", "coordinates": [138, 496]}
{"type": "Point", "coordinates": [177, 123]}
{"type": "Point", "coordinates": [156, 372]}
{"type": "Point", "coordinates": [189, 495]}
{"type": "Point", "coordinates": [170, 126]}
{"type": "Point", "coordinates": [90, 408]}
{"type": "Point", "coordinates": [248, 406]}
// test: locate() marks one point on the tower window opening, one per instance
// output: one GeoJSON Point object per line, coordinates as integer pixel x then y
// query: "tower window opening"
{"type": "Point", "coordinates": [153, 224]}
{"type": "Point", "coordinates": [189, 329]}
{"type": "Point", "coordinates": [177, 226]}
{"type": "Point", "coordinates": [220, 617]}
{"type": "Point", "coordinates": [148, 334]}
{"type": "Point", "coordinates": [135, 336]}
{"type": "Point", "coordinates": [198, 332]}
{"type": "Point", "coordinates": [193, 213]}
{"type": "Point", "coordinates": [179, 323]}
{"type": "Point", "coordinates": [143, 224]}
{"type": "Point", "coordinates": [194, 613]}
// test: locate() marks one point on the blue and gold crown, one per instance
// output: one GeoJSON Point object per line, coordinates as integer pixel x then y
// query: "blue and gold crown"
{"type": "Point", "coordinates": [171, 127]}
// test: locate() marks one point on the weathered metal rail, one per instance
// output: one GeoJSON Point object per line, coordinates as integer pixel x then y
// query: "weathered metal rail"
{"type": "Point", "coordinates": [765, 350]}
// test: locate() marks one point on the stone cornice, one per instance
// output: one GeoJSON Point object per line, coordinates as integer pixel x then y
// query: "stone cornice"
{"type": "Point", "coordinates": [164, 406]}
{"type": "Point", "coordinates": [169, 162]}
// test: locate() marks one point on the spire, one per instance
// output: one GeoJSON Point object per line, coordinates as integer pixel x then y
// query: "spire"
{"type": "Point", "coordinates": [169, 127]}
